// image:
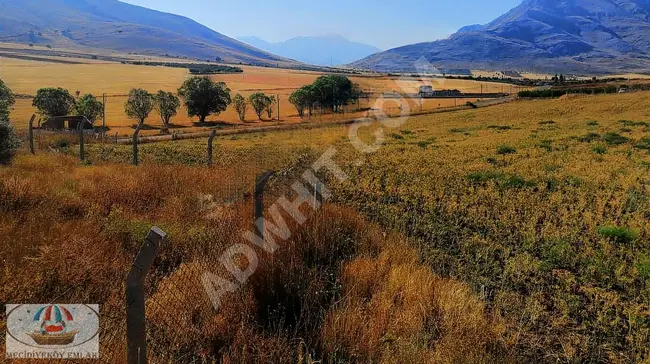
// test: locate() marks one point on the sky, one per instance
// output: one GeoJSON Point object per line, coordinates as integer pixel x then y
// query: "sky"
{"type": "Point", "coordinates": [382, 23]}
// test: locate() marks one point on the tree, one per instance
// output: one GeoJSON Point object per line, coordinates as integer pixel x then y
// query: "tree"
{"type": "Point", "coordinates": [270, 105]}
{"type": "Point", "coordinates": [167, 104]}
{"type": "Point", "coordinates": [299, 99]}
{"type": "Point", "coordinates": [6, 101]}
{"type": "Point", "coordinates": [90, 107]}
{"type": "Point", "coordinates": [139, 105]}
{"type": "Point", "coordinates": [203, 97]}
{"type": "Point", "coordinates": [9, 142]}
{"type": "Point", "coordinates": [241, 106]}
{"type": "Point", "coordinates": [258, 101]}
{"type": "Point", "coordinates": [52, 102]}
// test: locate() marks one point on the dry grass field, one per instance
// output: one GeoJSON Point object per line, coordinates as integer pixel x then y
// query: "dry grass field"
{"type": "Point", "coordinates": [114, 79]}
{"type": "Point", "coordinates": [540, 206]}
{"type": "Point", "coordinates": [511, 233]}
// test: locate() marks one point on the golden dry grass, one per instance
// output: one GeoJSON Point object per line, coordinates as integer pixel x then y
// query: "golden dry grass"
{"type": "Point", "coordinates": [70, 232]}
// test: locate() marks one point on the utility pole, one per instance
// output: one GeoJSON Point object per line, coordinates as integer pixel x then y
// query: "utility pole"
{"type": "Point", "coordinates": [278, 98]}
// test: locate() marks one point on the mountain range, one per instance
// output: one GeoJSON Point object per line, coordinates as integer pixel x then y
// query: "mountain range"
{"type": "Point", "coordinates": [571, 36]}
{"type": "Point", "coordinates": [118, 26]}
{"type": "Point", "coordinates": [329, 50]}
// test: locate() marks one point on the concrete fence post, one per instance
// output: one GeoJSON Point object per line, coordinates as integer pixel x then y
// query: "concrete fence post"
{"type": "Point", "coordinates": [82, 146]}
{"type": "Point", "coordinates": [136, 326]}
{"type": "Point", "coordinates": [135, 160]}
{"type": "Point", "coordinates": [260, 184]}
{"type": "Point", "coordinates": [213, 134]}
{"type": "Point", "coordinates": [31, 135]}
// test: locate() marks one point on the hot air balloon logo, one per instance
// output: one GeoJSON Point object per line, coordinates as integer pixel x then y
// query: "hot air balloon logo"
{"type": "Point", "coordinates": [54, 321]}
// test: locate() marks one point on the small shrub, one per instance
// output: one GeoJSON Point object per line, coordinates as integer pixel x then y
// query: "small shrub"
{"type": "Point", "coordinates": [615, 139]}
{"type": "Point", "coordinates": [546, 144]}
{"type": "Point", "coordinates": [9, 143]}
{"type": "Point", "coordinates": [62, 143]}
{"type": "Point", "coordinates": [618, 234]}
{"type": "Point", "coordinates": [592, 123]}
{"type": "Point", "coordinates": [590, 137]}
{"type": "Point", "coordinates": [424, 144]}
{"type": "Point", "coordinates": [599, 149]}
{"type": "Point", "coordinates": [500, 127]}
{"type": "Point", "coordinates": [505, 149]}
{"type": "Point", "coordinates": [643, 266]}
{"type": "Point", "coordinates": [644, 143]}
{"type": "Point", "coordinates": [626, 130]}
{"type": "Point", "coordinates": [547, 122]}
{"type": "Point", "coordinates": [633, 123]}
{"type": "Point", "coordinates": [471, 104]}
{"type": "Point", "coordinates": [457, 131]}
{"type": "Point", "coordinates": [406, 132]}
{"type": "Point", "coordinates": [397, 136]}
{"type": "Point", "coordinates": [516, 182]}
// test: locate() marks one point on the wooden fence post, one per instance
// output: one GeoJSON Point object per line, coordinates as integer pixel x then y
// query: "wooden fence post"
{"type": "Point", "coordinates": [260, 183]}
{"type": "Point", "coordinates": [210, 140]}
{"type": "Point", "coordinates": [136, 326]}
{"type": "Point", "coordinates": [31, 135]}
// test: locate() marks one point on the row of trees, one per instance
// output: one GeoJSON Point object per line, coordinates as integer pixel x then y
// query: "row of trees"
{"type": "Point", "coordinates": [327, 92]}
{"type": "Point", "coordinates": [260, 103]}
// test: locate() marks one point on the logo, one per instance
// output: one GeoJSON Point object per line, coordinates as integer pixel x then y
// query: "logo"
{"type": "Point", "coordinates": [52, 331]}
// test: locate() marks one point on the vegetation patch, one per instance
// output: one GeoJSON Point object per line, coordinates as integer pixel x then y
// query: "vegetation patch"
{"type": "Point", "coordinates": [615, 139]}
{"type": "Point", "coordinates": [506, 149]}
{"type": "Point", "coordinates": [590, 137]}
{"type": "Point", "coordinates": [644, 143]}
{"type": "Point", "coordinates": [619, 234]}
{"type": "Point", "coordinates": [500, 127]}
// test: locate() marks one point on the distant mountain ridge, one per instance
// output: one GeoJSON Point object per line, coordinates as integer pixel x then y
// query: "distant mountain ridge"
{"type": "Point", "coordinates": [114, 25]}
{"type": "Point", "coordinates": [571, 36]}
{"type": "Point", "coordinates": [330, 50]}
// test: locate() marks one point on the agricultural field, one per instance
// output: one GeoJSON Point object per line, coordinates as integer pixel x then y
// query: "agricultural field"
{"type": "Point", "coordinates": [528, 222]}
{"type": "Point", "coordinates": [25, 77]}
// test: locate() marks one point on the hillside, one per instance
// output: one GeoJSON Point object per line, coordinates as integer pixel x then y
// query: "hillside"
{"type": "Point", "coordinates": [113, 25]}
{"type": "Point", "coordinates": [331, 50]}
{"type": "Point", "coordinates": [572, 36]}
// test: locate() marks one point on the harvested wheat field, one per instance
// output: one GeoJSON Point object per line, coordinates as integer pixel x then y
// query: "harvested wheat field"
{"type": "Point", "coordinates": [25, 77]}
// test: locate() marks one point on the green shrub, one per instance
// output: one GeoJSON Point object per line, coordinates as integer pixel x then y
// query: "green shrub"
{"type": "Point", "coordinates": [644, 143]}
{"type": "Point", "coordinates": [643, 266]}
{"type": "Point", "coordinates": [590, 137]}
{"type": "Point", "coordinates": [500, 127]}
{"type": "Point", "coordinates": [62, 143]}
{"type": "Point", "coordinates": [592, 123]}
{"type": "Point", "coordinates": [397, 136]}
{"type": "Point", "coordinates": [9, 143]}
{"type": "Point", "coordinates": [506, 149]}
{"type": "Point", "coordinates": [547, 122]}
{"type": "Point", "coordinates": [546, 144]}
{"type": "Point", "coordinates": [615, 139]}
{"type": "Point", "coordinates": [599, 149]}
{"type": "Point", "coordinates": [482, 177]}
{"type": "Point", "coordinates": [618, 234]}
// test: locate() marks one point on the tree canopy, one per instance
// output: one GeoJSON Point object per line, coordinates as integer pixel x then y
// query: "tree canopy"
{"type": "Point", "coordinates": [139, 105]}
{"type": "Point", "coordinates": [332, 92]}
{"type": "Point", "coordinates": [167, 104]}
{"type": "Point", "coordinates": [52, 102]}
{"type": "Point", "coordinates": [204, 97]}
{"type": "Point", "coordinates": [90, 107]}
{"type": "Point", "coordinates": [241, 106]}
{"type": "Point", "coordinates": [6, 101]}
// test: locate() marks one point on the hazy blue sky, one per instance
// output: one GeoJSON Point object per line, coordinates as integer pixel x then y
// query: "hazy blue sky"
{"type": "Point", "coordinates": [383, 23]}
